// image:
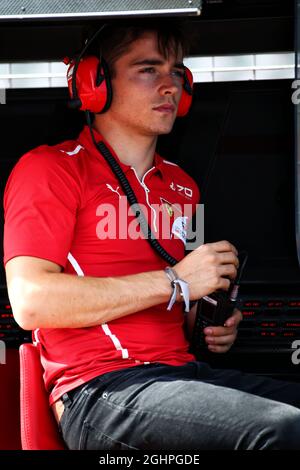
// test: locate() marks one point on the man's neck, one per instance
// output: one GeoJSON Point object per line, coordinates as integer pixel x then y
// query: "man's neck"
{"type": "Point", "coordinates": [132, 149]}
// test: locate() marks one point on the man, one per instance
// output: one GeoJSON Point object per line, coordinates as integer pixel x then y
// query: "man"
{"type": "Point", "coordinates": [116, 360]}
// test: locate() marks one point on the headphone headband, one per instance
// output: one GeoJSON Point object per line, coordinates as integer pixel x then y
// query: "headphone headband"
{"type": "Point", "coordinates": [90, 86]}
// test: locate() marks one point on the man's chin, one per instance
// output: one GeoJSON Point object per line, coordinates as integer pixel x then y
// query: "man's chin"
{"type": "Point", "coordinates": [165, 129]}
{"type": "Point", "coordinates": [161, 129]}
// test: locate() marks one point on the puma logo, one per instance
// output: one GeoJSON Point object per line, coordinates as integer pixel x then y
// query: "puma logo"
{"type": "Point", "coordinates": [113, 190]}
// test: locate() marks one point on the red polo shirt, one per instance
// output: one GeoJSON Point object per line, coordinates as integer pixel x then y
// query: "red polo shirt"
{"type": "Point", "coordinates": [64, 204]}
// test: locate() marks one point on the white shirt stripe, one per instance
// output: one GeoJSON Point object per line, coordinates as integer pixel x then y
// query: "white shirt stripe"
{"type": "Point", "coordinates": [104, 327]}
{"type": "Point", "coordinates": [169, 163]}
{"type": "Point", "coordinates": [115, 340]}
{"type": "Point", "coordinates": [75, 265]}
{"type": "Point", "coordinates": [147, 190]}
{"type": "Point", "coordinates": [35, 335]}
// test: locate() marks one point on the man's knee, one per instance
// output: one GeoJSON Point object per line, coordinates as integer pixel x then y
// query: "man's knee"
{"type": "Point", "coordinates": [280, 429]}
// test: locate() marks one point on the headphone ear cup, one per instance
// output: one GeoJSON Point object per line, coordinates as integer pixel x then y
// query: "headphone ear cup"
{"type": "Point", "coordinates": [187, 93]}
{"type": "Point", "coordinates": [93, 87]}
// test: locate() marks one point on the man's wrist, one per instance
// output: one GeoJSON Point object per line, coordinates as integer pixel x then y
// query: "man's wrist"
{"type": "Point", "coordinates": [172, 275]}
{"type": "Point", "coordinates": [180, 289]}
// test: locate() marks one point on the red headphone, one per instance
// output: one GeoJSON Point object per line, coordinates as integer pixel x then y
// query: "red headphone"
{"type": "Point", "coordinates": [92, 90]}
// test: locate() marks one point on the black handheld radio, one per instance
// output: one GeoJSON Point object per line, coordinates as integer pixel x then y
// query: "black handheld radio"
{"type": "Point", "coordinates": [215, 308]}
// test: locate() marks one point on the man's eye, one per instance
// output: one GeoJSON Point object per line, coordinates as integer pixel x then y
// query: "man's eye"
{"type": "Point", "coordinates": [148, 70]}
{"type": "Point", "coordinates": [178, 73]}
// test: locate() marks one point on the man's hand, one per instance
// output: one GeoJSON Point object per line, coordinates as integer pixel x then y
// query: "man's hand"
{"type": "Point", "coordinates": [209, 267]}
{"type": "Point", "coordinates": [219, 339]}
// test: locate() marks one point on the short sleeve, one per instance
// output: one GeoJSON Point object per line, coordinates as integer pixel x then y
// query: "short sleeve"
{"type": "Point", "coordinates": [41, 200]}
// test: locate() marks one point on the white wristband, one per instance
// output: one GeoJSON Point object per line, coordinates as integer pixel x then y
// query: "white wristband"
{"type": "Point", "coordinates": [182, 285]}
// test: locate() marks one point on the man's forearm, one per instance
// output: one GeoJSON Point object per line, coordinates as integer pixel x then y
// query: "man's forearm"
{"type": "Point", "coordinates": [58, 300]}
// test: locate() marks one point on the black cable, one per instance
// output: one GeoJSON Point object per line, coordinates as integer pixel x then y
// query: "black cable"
{"type": "Point", "coordinates": [133, 202]}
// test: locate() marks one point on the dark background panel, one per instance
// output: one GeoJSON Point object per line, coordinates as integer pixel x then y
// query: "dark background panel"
{"type": "Point", "coordinates": [224, 27]}
{"type": "Point", "coordinates": [30, 118]}
{"type": "Point", "coordinates": [237, 142]}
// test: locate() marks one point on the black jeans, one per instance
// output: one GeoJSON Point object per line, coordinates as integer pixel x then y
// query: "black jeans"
{"type": "Point", "coordinates": [190, 407]}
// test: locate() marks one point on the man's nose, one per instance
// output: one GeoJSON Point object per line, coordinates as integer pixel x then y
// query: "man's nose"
{"type": "Point", "coordinates": [170, 84]}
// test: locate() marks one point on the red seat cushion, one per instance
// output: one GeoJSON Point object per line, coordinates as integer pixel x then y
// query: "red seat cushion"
{"type": "Point", "coordinates": [39, 430]}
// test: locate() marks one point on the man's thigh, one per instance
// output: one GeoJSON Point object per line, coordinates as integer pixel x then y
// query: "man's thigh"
{"type": "Point", "coordinates": [186, 407]}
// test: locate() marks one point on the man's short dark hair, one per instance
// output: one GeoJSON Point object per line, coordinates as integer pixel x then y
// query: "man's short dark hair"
{"type": "Point", "coordinates": [116, 38]}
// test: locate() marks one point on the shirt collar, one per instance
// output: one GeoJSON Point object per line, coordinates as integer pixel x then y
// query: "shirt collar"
{"type": "Point", "coordinates": [85, 139]}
